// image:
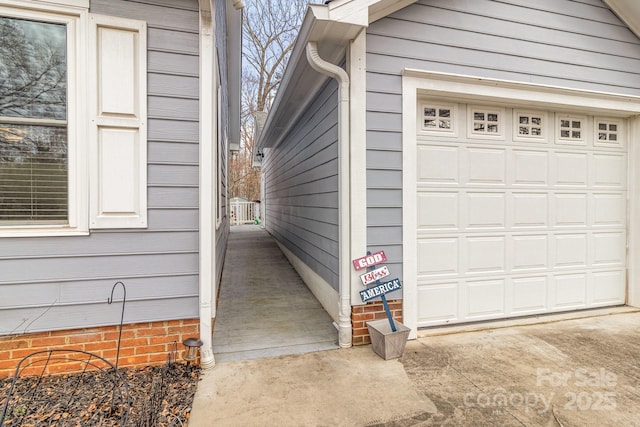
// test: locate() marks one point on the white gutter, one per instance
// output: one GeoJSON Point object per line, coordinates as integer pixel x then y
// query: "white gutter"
{"type": "Point", "coordinates": [344, 266]}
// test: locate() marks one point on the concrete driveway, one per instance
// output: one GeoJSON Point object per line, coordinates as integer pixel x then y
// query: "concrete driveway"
{"type": "Point", "coordinates": [582, 372]}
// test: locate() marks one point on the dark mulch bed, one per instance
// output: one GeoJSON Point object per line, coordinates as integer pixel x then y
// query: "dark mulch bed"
{"type": "Point", "coordinates": [158, 396]}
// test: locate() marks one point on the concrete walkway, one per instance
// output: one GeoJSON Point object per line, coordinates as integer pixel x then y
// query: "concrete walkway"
{"type": "Point", "coordinates": [580, 372]}
{"type": "Point", "coordinates": [265, 309]}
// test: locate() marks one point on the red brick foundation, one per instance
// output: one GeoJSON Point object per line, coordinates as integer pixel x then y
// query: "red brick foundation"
{"type": "Point", "coordinates": [375, 310]}
{"type": "Point", "coordinates": [143, 344]}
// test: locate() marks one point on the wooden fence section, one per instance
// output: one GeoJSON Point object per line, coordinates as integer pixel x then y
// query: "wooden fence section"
{"type": "Point", "coordinates": [244, 212]}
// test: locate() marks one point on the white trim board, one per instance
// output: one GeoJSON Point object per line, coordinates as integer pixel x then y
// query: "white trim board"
{"type": "Point", "coordinates": [358, 151]}
{"type": "Point", "coordinates": [508, 92]}
{"type": "Point", "coordinates": [207, 286]}
{"type": "Point", "coordinates": [324, 293]}
{"type": "Point", "coordinates": [417, 83]}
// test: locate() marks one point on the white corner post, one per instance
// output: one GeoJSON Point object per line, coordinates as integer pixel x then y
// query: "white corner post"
{"type": "Point", "coordinates": [633, 222]}
{"type": "Point", "coordinates": [356, 64]}
{"type": "Point", "coordinates": [208, 184]}
{"type": "Point", "coordinates": [344, 291]}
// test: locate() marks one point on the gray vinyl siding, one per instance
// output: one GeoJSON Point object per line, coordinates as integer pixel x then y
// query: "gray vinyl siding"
{"type": "Point", "coordinates": [573, 44]}
{"type": "Point", "coordinates": [302, 191]}
{"type": "Point", "coordinates": [50, 283]}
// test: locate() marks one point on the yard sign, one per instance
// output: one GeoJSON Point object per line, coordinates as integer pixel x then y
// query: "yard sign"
{"type": "Point", "coordinates": [375, 274]}
{"type": "Point", "coordinates": [369, 260]}
{"type": "Point", "coordinates": [380, 289]}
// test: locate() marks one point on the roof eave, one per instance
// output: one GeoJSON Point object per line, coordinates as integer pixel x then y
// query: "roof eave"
{"type": "Point", "coordinates": [300, 82]}
{"type": "Point", "coordinates": [234, 68]}
{"type": "Point", "coordinates": [628, 11]}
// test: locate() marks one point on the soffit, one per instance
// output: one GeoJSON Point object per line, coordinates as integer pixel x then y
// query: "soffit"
{"type": "Point", "coordinates": [628, 11]}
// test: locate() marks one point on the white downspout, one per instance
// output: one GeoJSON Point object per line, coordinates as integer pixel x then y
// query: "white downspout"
{"type": "Point", "coordinates": [208, 186]}
{"type": "Point", "coordinates": [344, 291]}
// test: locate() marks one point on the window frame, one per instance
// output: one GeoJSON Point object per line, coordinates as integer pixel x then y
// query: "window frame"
{"type": "Point", "coordinates": [620, 132]}
{"type": "Point", "coordinates": [543, 138]}
{"type": "Point", "coordinates": [453, 119]}
{"type": "Point", "coordinates": [73, 15]}
{"type": "Point", "coordinates": [486, 110]}
{"type": "Point", "coordinates": [571, 140]}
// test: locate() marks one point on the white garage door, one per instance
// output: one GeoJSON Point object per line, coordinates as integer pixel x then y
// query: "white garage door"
{"type": "Point", "coordinates": [519, 212]}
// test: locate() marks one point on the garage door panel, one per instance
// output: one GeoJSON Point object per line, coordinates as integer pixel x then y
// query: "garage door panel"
{"type": "Point", "coordinates": [485, 254]}
{"type": "Point", "coordinates": [530, 167]}
{"type": "Point", "coordinates": [609, 209]}
{"type": "Point", "coordinates": [438, 210]}
{"type": "Point", "coordinates": [485, 298]}
{"type": "Point", "coordinates": [438, 256]}
{"type": "Point", "coordinates": [609, 170]}
{"type": "Point", "coordinates": [438, 303]}
{"type": "Point", "coordinates": [485, 166]}
{"type": "Point", "coordinates": [530, 252]}
{"type": "Point", "coordinates": [570, 291]}
{"type": "Point", "coordinates": [529, 295]}
{"type": "Point", "coordinates": [609, 249]}
{"type": "Point", "coordinates": [570, 209]}
{"type": "Point", "coordinates": [530, 210]}
{"type": "Point", "coordinates": [521, 224]}
{"type": "Point", "coordinates": [608, 288]}
{"type": "Point", "coordinates": [485, 210]}
{"type": "Point", "coordinates": [571, 169]}
{"type": "Point", "coordinates": [570, 250]}
{"type": "Point", "coordinates": [439, 164]}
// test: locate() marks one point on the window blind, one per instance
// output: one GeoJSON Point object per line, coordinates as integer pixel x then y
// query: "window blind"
{"type": "Point", "coordinates": [33, 123]}
{"type": "Point", "coordinates": [33, 174]}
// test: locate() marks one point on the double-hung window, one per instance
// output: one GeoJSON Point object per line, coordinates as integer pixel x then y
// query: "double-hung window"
{"type": "Point", "coordinates": [33, 128]}
{"type": "Point", "coordinates": [38, 121]}
{"type": "Point", "coordinates": [72, 119]}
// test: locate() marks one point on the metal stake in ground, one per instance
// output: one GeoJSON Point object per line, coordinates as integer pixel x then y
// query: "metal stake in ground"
{"type": "Point", "coordinates": [124, 301]}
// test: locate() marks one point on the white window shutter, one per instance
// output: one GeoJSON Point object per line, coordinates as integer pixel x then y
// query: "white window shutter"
{"type": "Point", "coordinates": [118, 110]}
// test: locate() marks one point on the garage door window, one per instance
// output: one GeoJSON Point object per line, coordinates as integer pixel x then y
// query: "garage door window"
{"type": "Point", "coordinates": [486, 122]}
{"type": "Point", "coordinates": [571, 130]}
{"type": "Point", "coordinates": [438, 118]}
{"type": "Point", "coordinates": [608, 132]}
{"type": "Point", "coordinates": [530, 126]}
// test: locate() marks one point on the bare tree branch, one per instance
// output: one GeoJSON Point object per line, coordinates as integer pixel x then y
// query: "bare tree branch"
{"type": "Point", "coordinates": [270, 28]}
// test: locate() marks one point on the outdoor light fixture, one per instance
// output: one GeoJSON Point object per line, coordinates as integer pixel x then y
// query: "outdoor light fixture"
{"type": "Point", "coordinates": [193, 346]}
